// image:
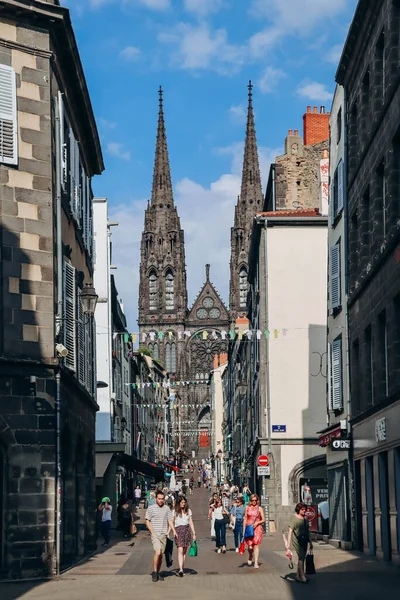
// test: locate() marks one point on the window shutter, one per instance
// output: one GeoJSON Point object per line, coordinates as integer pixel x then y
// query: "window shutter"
{"type": "Point", "coordinates": [84, 207]}
{"type": "Point", "coordinates": [336, 357]}
{"type": "Point", "coordinates": [334, 276]}
{"type": "Point", "coordinates": [89, 217]}
{"type": "Point", "coordinates": [70, 315]}
{"type": "Point", "coordinates": [8, 117]}
{"type": "Point", "coordinates": [340, 190]}
{"type": "Point", "coordinates": [89, 357]}
{"type": "Point", "coordinates": [63, 145]}
{"type": "Point", "coordinates": [81, 342]}
{"type": "Point", "coordinates": [330, 407]}
{"type": "Point", "coordinates": [77, 187]}
{"type": "Point", "coordinates": [72, 171]}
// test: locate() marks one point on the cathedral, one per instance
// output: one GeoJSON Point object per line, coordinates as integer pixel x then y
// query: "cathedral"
{"type": "Point", "coordinates": [185, 339]}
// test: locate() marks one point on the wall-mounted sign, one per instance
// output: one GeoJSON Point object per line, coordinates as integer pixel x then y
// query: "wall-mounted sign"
{"type": "Point", "coordinates": [263, 461]}
{"type": "Point", "coordinates": [380, 430]}
{"type": "Point", "coordinates": [278, 428]}
{"type": "Point", "coordinates": [341, 445]}
{"type": "Point", "coordinates": [263, 471]}
{"type": "Point", "coordinates": [326, 439]}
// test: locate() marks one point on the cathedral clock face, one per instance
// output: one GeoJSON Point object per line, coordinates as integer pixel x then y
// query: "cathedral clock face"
{"type": "Point", "coordinates": [215, 313]}
{"type": "Point", "coordinates": [201, 313]}
{"type": "Point", "coordinates": [208, 302]}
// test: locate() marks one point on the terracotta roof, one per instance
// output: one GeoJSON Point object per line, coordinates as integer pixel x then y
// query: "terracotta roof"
{"type": "Point", "coordinates": [300, 212]}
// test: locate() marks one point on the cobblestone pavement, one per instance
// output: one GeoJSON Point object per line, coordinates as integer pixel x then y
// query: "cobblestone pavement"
{"type": "Point", "coordinates": [123, 571]}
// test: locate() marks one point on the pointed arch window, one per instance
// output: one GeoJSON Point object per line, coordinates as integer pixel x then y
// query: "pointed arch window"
{"type": "Point", "coordinates": [169, 291]}
{"type": "Point", "coordinates": [156, 351]}
{"type": "Point", "coordinates": [243, 288]}
{"type": "Point", "coordinates": [153, 289]}
{"type": "Point", "coordinates": [170, 357]}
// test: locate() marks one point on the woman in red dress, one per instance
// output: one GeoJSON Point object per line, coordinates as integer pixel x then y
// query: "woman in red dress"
{"type": "Point", "coordinates": [254, 517]}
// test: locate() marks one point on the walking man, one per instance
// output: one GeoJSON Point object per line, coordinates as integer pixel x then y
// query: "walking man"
{"type": "Point", "coordinates": [159, 521]}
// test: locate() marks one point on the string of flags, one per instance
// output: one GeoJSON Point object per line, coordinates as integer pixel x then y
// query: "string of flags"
{"type": "Point", "coordinates": [152, 405]}
{"type": "Point", "coordinates": [166, 384]}
{"type": "Point", "coordinates": [249, 334]}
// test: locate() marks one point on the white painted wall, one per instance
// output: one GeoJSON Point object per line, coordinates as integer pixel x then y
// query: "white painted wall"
{"type": "Point", "coordinates": [297, 273]}
{"type": "Point", "coordinates": [218, 408]}
{"type": "Point", "coordinates": [103, 324]}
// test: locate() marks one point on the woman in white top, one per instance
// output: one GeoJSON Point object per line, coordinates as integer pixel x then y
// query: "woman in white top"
{"type": "Point", "coordinates": [219, 512]}
{"type": "Point", "coordinates": [184, 530]}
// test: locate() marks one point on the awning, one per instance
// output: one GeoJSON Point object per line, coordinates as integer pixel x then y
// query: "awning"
{"type": "Point", "coordinates": [172, 467]}
{"type": "Point", "coordinates": [327, 438]}
{"type": "Point", "coordinates": [140, 466]}
{"type": "Point", "coordinates": [102, 462]}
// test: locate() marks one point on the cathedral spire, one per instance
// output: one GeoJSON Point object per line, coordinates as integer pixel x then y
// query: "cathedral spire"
{"type": "Point", "coordinates": [251, 191]}
{"type": "Point", "coordinates": [162, 186]}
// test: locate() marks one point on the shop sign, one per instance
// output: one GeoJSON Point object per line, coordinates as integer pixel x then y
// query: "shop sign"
{"type": "Point", "coordinates": [341, 445]}
{"type": "Point", "coordinates": [327, 438]}
{"type": "Point", "coordinates": [312, 516]}
{"type": "Point", "coordinates": [380, 430]}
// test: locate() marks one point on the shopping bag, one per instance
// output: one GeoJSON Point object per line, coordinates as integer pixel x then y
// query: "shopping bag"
{"type": "Point", "coordinates": [310, 565]}
{"type": "Point", "coordinates": [193, 549]}
{"type": "Point", "coordinates": [242, 547]}
{"type": "Point", "coordinates": [169, 548]}
{"type": "Point", "coordinates": [133, 528]}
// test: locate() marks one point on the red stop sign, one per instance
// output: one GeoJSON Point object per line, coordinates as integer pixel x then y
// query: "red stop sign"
{"type": "Point", "coordinates": [263, 461]}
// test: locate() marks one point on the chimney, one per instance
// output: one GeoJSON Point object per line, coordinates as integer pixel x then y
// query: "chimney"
{"type": "Point", "coordinates": [296, 132]}
{"type": "Point", "coordinates": [315, 126]}
{"type": "Point", "coordinates": [290, 132]}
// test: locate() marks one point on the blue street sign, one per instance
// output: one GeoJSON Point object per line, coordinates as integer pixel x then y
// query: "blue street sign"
{"type": "Point", "coordinates": [278, 428]}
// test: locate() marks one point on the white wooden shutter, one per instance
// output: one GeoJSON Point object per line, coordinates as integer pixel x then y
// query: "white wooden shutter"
{"type": "Point", "coordinates": [8, 117]}
{"type": "Point", "coordinates": [89, 217]}
{"type": "Point", "coordinates": [336, 369]}
{"type": "Point", "coordinates": [334, 276]}
{"type": "Point", "coordinates": [330, 377]}
{"type": "Point", "coordinates": [81, 342]}
{"type": "Point", "coordinates": [71, 171]}
{"type": "Point", "coordinates": [340, 191]}
{"type": "Point", "coordinates": [69, 321]}
{"type": "Point", "coordinates": [89, 356]}
{"type": "Point", "coordinates": [77, 187]}
{"type": "Point", "coordinates": [63, 146]}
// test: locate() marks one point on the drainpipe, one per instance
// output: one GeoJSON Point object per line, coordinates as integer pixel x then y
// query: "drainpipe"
{"type": "Point", "coordinates": [58, 323]}
{"type": "Point", "coordinates": [267, 373]}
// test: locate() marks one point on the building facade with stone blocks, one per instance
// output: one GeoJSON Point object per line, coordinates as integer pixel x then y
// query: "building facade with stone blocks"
{"type": "Point", "coordinates": [49, 151]}
{"type": "Point", "coordinates": [369, 74]}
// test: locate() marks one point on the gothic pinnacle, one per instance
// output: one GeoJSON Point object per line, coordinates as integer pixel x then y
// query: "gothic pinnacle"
{"type": "Point", "coordinates": [162, 186]}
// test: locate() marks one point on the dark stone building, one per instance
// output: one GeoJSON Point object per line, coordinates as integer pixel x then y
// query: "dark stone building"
{"type": "Point", "coordinates": [183, 339]}
{"type": "Point", "coordinates": [369, 72]}
{"type": "Point", "coordinates": [49, 151]}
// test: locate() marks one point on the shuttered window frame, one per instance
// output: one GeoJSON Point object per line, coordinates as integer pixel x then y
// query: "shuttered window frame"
{"type": "Point", "coordinates": [336, 376]}
{"type": "Point", "coordinates": [8, 116]}
{"type": "Point", "coordinates": [69, 315]}
{"type": "Point", "coordinates": [335, 299]}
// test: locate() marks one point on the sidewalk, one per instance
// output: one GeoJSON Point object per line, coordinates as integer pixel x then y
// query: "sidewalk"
{"type": "Point", "coordinates": [123, 571]}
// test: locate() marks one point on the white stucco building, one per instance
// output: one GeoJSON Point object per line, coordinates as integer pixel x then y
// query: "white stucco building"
{"type": "Point", "coordinates": [288, 363]}
{"type": "Point", "coordinates": [217, 414]}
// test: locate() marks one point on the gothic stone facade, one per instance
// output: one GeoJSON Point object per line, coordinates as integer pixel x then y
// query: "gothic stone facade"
{"type": "Point", "coordinates": [46, 116]}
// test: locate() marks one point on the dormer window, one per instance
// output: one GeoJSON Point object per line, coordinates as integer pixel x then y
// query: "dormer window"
{"type": "Point", "coordinates": [169, 291]}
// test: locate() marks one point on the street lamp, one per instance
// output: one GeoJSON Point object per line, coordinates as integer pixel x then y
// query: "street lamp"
{"type": "Point", "coordinates": [88, 299]}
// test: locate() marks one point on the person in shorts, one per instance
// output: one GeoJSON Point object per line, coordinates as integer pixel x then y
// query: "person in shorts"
{"type": "Point", "coordinates": [159, 521]}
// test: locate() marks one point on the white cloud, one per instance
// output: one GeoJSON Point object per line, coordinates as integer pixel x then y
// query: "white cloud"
{"type": "Point", "coordinates": [206, 212]}
{"type": "Point", "coordinates": [202, 8]}
{"type": "Point", "coordinates": [314, 91]}
{"type": "Point", "coordinates": [334, 54]}
{"type": "Point", "coordinates": [270, 79]}
{"type": "Point", "coordinates": [107, 124]}
{"type": "Point", "coordinates": [116, 149]}
{"type": "Point", "coordinates": [238, 114]}
{"type": "Point", "coordinates": [131, 53]}
{"type": "Point", "coordinates": [199, 47]}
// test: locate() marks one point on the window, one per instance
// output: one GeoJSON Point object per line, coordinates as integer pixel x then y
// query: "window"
{"type": "Point", "coordinates": [339, 125]}
{"type": "Point", "coordinates": [355, 376]}
{"type": "Point", "coordinates": [383, 354]}
{"type": "Point", "coordinates": [366, 221]}
{"type": "Point", "coordinates": [336, 391]}
{"type": "Point", "coordinates": [8, 117]}
{"type": "Point", "coordinates": [383, 196]}
{"type": "Point", "coordinates": [380, 67]}
{"type": "Point", "coordinates": [170, 357]}
{"type": "Point", "coordinates": [354, 246]}
{"type": "Point", "coordinates": [153, 291]}
{"type": "Point", "coordinates": [169, 291]}
{"type": "Point", "coordinates": [369, 367]}
{"type": "Point", "coordinates": [243, 288]}
{"type": "Point", "coordinates": [337, 190]}
{"type": "Point", "coordinates": [156, 351]}
{"type": "Point", "coordinates": [334, 276]}
{"type": "Point", "coordinates": [69, 315]}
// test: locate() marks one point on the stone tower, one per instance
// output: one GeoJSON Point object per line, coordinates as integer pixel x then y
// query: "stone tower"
{"type": "Point", "coordinates": [162, 288]}
{"type": "Point", "coordinates": [249, 202]}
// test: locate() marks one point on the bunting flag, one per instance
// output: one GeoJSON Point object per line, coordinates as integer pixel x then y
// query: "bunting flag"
{"type": "Point", "coordinates": [248, 334]}
{"type": "Point", "coordinates": [166, 384]}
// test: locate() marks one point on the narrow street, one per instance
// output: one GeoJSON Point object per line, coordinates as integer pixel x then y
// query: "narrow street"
{"type": "Point", "coordinates": [123, 571]}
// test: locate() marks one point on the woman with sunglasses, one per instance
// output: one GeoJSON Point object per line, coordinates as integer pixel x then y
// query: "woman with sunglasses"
{"type": "Point", "coordinates": [184, 531]}
{"type": "Point", "coordinates": [252, 529]}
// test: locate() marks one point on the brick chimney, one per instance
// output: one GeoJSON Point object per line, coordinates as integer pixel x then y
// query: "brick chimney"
{"type": "Point", "coordinates": [220, 359]}
{"type": "Point", "coordinates": [316, 125]}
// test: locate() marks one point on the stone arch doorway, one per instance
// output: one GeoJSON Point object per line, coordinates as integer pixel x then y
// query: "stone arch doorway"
{"type": "Point", "coordinates": [310, 468]}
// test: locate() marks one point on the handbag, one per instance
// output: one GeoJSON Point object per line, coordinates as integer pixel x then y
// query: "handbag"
{"type": "Point", "coordinates": [133, 529]}
{"type": "Point", "coordinates": [226, 519]}
{"type": "Point", "coordinates": [242, 547]}
{"type": "Point", "coordinates": [249, 529]}
{"type": "Point", "coordinates": [310, 565]}
{"type": "Point", "coordinates": [169, 548]}
{"type": "Point", "coordinates": [193, 551]}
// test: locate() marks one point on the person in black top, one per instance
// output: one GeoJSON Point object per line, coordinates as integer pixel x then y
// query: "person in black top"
{"type": "Point", "coordinates": [125, 517]}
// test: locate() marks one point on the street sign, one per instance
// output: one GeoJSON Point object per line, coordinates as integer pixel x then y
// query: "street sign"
{"type": "Point", "coordinates": [264, 471]}
{"type": "Point", "coordinates": [278, 428]}
{"type": "Point", "coordinates": [312, 516]}
{"type": "Point", "coordinates": [341, 445]}
{"type": "Point", "coordinates": [263, 461]}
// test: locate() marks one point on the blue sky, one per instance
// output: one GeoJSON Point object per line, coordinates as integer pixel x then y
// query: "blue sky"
{"type": "Point", "coordinates": [203, 52]}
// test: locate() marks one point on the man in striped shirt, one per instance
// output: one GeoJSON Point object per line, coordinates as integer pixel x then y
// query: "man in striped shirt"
{"type": "Point", "coordinates": [159, 520]}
